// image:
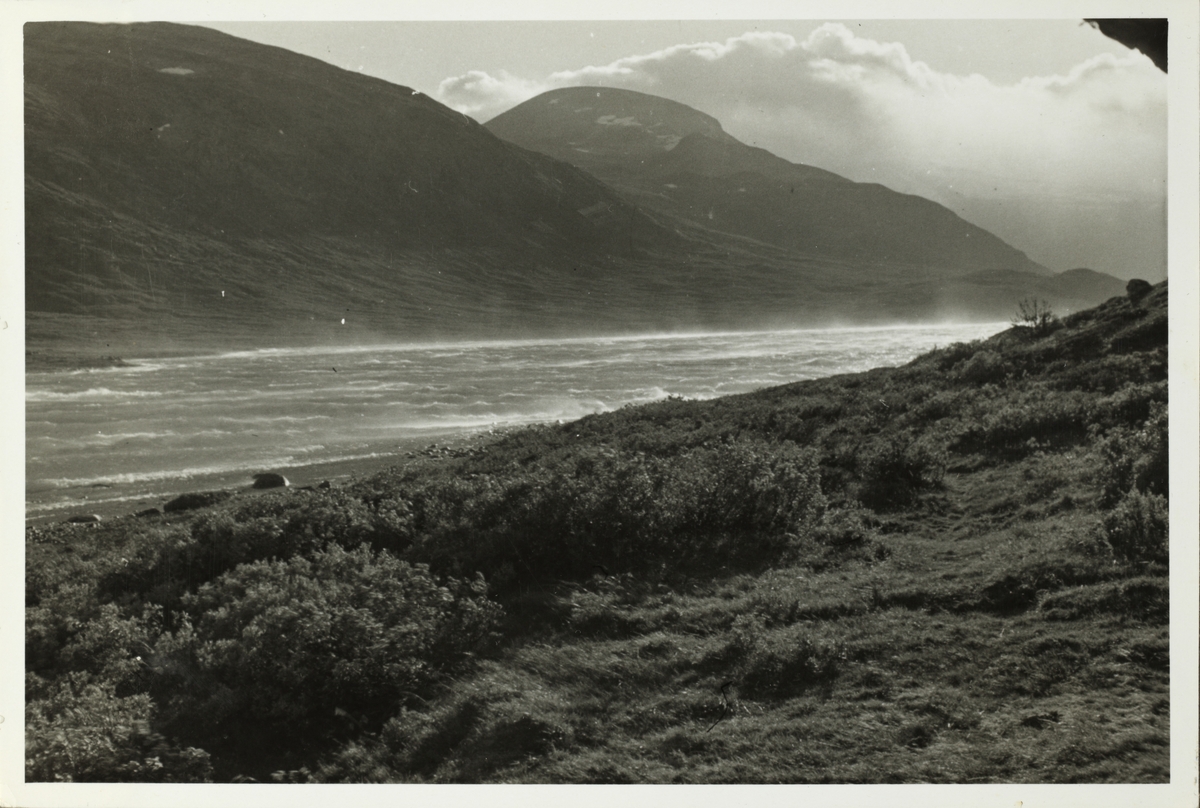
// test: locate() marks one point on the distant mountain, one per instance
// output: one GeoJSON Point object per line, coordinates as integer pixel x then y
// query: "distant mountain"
{"type": "Point", "coordinates": [185, 188]}
{"type": "Point", "coordinates": [679, 163]}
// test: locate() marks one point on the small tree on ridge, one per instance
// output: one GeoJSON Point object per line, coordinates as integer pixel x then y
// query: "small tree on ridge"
{"type": "Point", "coordinates": [1036, 314]}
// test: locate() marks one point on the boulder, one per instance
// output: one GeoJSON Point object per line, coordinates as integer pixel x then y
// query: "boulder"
{"type": "Point", "coordinates": [84, 519]}
{"type": "Point", "coordinates": [1137, 288]}
{"type": "Point", "coordinates": [270, 480]}
{"type": "Point", "coordinates": [187, 502]}
{"type": "Point", "coordinates": [149, 512]}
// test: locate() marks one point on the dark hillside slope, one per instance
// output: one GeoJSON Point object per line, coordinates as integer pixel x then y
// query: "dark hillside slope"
{"type": "Point", "coordinates": [679, 162]}
{"type": "Point", "coordinates": [951, 571]}
{"type": "Point", "coordinates": [165, 163]}
{"type": "Point", "coordinates": [191, 128]}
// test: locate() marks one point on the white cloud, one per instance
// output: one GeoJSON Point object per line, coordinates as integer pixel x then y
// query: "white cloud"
{"type": "Point", "coordinates": [867, 110]}
{"type": "Point", "coordinates": [483, 96]}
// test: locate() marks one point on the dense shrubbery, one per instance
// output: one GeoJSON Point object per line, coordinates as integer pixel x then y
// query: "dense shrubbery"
{"type": "Point", "coordinates": [705, 509]}
{"type": "Point", "coordinates": [272, 526]}
{"type": "Point", "coordinates": [77, 730]}
{"type": "Point", "coordinates": [984, 367]}
{"type": "Point", "coordinates": [291, 651]}
{"type": "Point", "coordinates": [1135, 458]}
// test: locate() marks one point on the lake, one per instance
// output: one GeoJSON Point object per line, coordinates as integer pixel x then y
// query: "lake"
{"type": "Point", "coordinates": [120, 439]}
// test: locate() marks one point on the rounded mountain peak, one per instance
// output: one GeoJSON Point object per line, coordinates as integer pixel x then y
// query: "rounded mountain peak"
{"type": "Point", "coordinates": [595, 124]}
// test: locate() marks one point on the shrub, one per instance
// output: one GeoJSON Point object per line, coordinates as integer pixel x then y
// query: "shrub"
{"type": "Point", "coordinates": [289, 650]}
{"type": "Point", "coordinates": [1036, 315]}
{"type": "Point", "coordinates": [1137, 529]}
{"type": "Point", "coordinates": [895, 470]}
{"type": "Point", "coordinates": [787, 663]}
{"type": "Point", "coordinates": [705, 508]}
{"type": "Point", "coordinates": [1046, 418]}
{"type": "Point", "coordinates": [953, 354]}
{"type": "Point", "coordinates": [984, 367]}
{"type": "Point", "coordinates": [846, 527]}
{"type": "Point", "coordinates": [278, 527]}
{"type": "Point", "coordinates": [1137, 459]}
{"type": "Point", "coordinates": [81, 731]}
{"type": "Point", "coordinates": [112, 645]}
{"type": "Point", "coordinates": [50, 624]}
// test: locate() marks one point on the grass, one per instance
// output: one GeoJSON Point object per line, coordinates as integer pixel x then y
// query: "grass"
{"type": "Point", "coordinates": [953, 571]}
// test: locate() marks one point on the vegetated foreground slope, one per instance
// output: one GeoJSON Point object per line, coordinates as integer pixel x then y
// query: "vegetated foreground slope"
{"type": "Point", "coordinates": [950, 571]}
{"type": "Point", "coordinates": [188, 189]}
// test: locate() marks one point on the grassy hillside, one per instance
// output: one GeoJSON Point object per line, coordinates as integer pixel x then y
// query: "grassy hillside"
{"type": "Point", "coordinates": [951, 571]}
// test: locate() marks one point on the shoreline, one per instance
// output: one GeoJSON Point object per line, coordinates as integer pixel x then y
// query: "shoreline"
{"type": "Point", "coordinates": [399, 451]}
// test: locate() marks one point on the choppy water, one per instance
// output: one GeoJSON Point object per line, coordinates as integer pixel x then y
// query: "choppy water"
{"type": "Point", "coordinates": [167, 425]}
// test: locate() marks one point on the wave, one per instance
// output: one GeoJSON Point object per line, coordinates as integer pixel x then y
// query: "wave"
{"type": "Point", "coordinates": [457, 347]}
{"type": "Point", "coordinates": [271, 419]}
{"type": "Point", "coordinates": [104, 438]}
{"type": "Point", "coordinates": [299, 457]}
{"type": "Point", "coordinates": [120, 370]}
{"type": "Point", "coordinates": [35, 395]}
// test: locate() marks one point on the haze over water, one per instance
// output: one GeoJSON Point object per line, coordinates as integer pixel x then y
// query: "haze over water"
{"type": "Point", "coordinates": [148, 432]}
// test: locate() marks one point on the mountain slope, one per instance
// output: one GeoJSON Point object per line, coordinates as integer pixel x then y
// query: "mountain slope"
{"type": "Point", "coordinates": [196, 128]}
{"type": "Point", "coordinates": [188, 189]}
{"type": "Point", "coordinates": [166, 159]}
{"type": "Point", "coordinates": [678, 162]}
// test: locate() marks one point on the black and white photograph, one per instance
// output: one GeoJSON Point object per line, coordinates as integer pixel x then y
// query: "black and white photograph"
{"type": "Point", "coordinates": [647, 394]}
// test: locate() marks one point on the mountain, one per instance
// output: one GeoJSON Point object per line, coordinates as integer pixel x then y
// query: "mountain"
{"type": "Point", "coordinates": [680, 164]}
{"type": "Point", "coordinates": [188, 189]}
{"type": "Point", "coordinates": [166, 164]}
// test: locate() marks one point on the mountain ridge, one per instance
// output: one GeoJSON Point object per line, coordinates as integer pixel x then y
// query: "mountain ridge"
{"type": "Point", "coordinates": [686, 171]}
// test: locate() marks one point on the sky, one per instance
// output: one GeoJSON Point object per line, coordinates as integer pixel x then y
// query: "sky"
{"type": "Point", "coordinates": [1045, 132]}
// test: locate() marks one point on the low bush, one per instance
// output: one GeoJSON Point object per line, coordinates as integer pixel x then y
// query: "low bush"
{"type": "Point", "coordinates": [707, 508]}
{"type": "Point", "coordinates": [1137, 529]}
{"type": "Point", "coordinates": [192, 501]}
{"type": "Point", "coordinates": [846, 527]}
{"type": "Point", "coordinates": [781, 663]}
{"type": "Point", "coordinates": [291, 651]}
{"type": "Point", "coordinates": [893, 471]}
{"type": "Point", "coordinates": [80, 731]}
{"type": "Point", "coordinates": [112, 645]}
{"type": "Point", "coordinates": [1046, 418]}
{"type": "Point", "coordinates": [985, 367]}
{"type": "Point", "coordinates": [278, 526]}
{"type": "Point", "coordinates": [1135, 459]}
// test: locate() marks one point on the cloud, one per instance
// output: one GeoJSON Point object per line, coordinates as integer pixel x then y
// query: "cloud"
{"type": "Point", "coordinates": [483, 96]}
{"type": "Point", "coordinates": [865, 109]}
